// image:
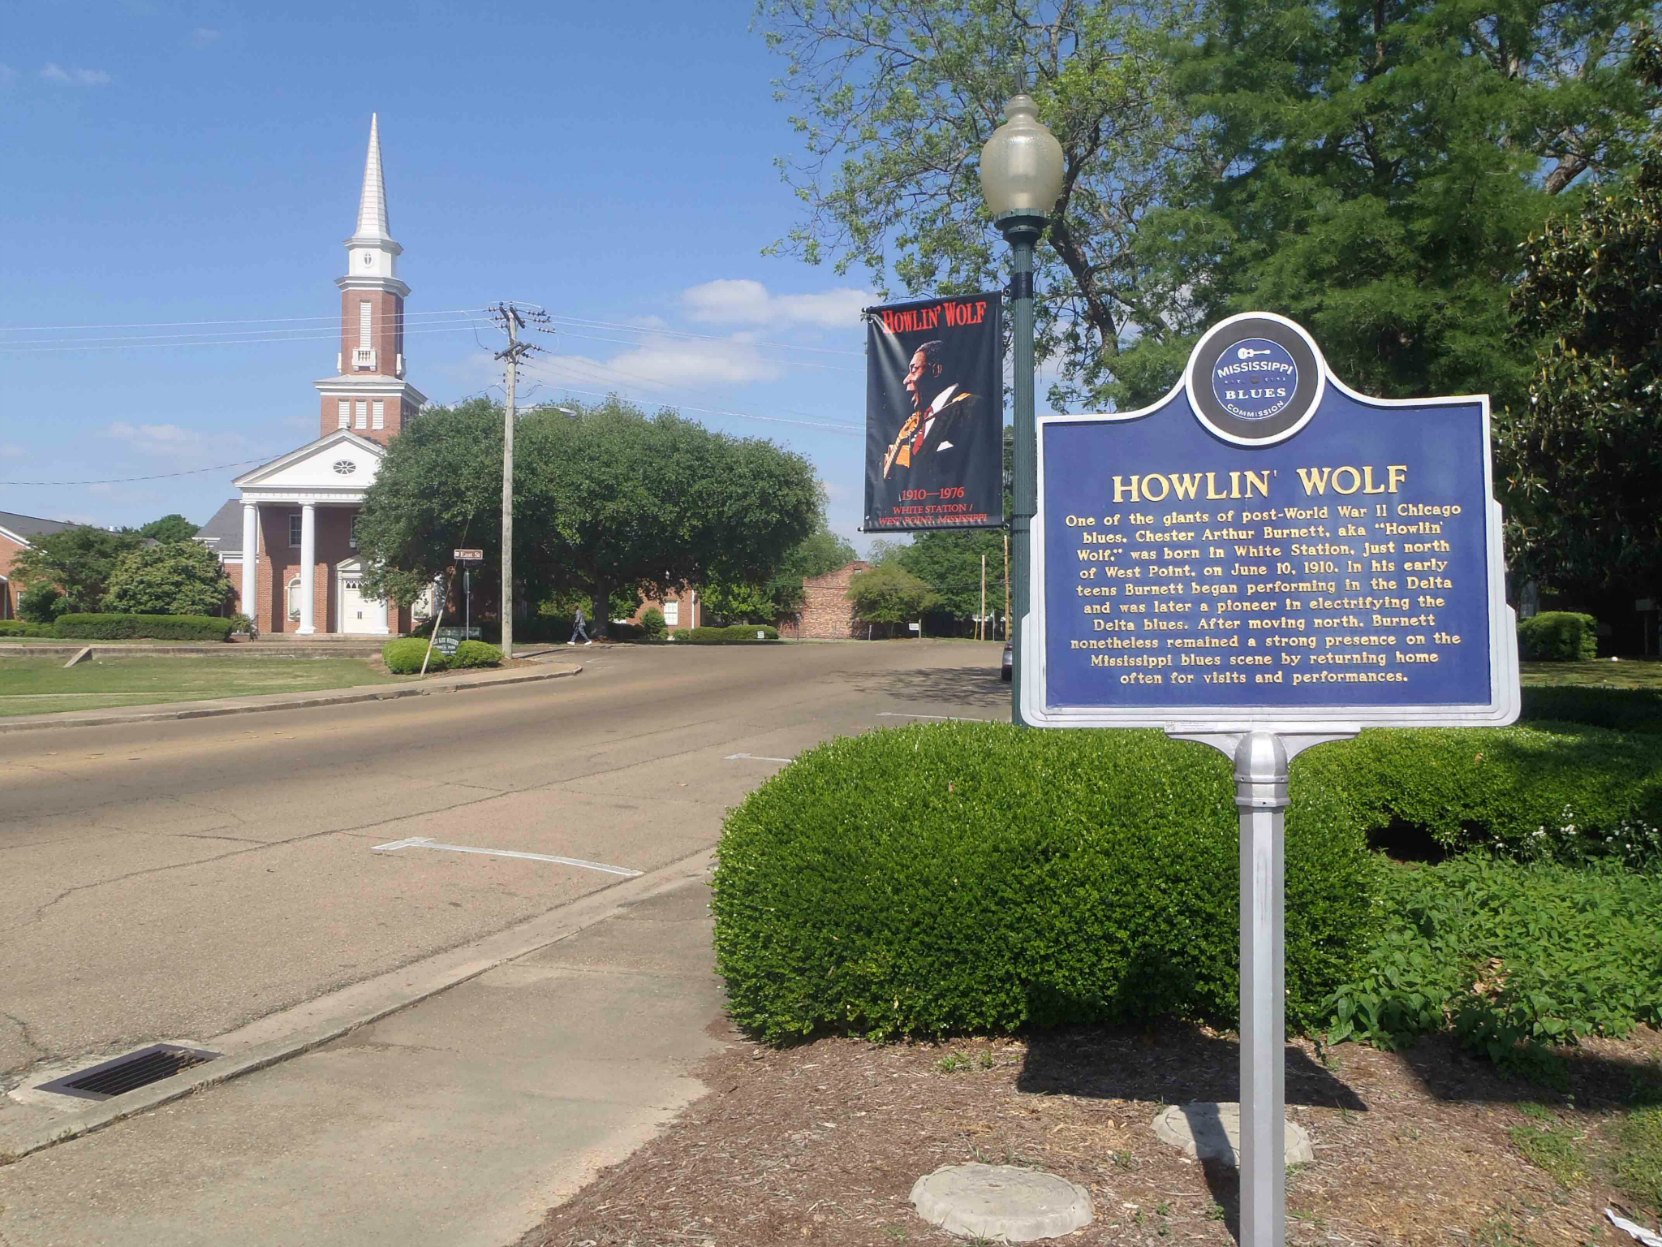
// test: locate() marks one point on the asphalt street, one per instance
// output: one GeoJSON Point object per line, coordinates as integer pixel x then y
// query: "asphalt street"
{"type": "Point", "coordinates": [175, 881]}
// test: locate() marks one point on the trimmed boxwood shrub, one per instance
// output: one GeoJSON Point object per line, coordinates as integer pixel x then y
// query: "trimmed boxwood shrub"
{"type": "Point", "coordinates": [22, 627]}
{"type": "Point", "coordinates": [732, 634]}
{"type": "Point", "coordinates": [1626, 709]}
{"type": "Point", "coordinates": [112, 627]}
{"type": "Point", "coordinates": [962, 877]}
{"type": "Point", "coordinates": [1561, 791]}
{"type": "Point", "coordinates": [474, 654]}
{"type": "Point", "coordinates": [404, 656]}
{"type": "Point", "coordinates": [652, 624]}
{"type": "Point", "coordinates": [1558, 636]}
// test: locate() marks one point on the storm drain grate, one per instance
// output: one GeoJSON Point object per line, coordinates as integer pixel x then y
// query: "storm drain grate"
{"type": "Point", "coordinates": [130, 1072]}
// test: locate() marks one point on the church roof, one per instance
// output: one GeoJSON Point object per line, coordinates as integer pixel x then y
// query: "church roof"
{"type": "Point", "coordinates": [223, 533]}
{"type": "Point", "coordinates": [27, 526]}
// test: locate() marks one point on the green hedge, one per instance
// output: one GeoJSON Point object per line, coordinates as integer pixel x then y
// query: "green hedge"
{"type": "Point", "coordinates": [1626, 709]}
{"type": "Point", "coordinates": [1558, 636]}
{"type": "Point", "coordinates": [147, 627]}
{"type": "Point", "coordinates": [23, 627]}
{"type": "Point", "coordinates": [1555, 791]}
{"type": "Point", "coordinates": [1517, 957]}
{"type": "Point", "coordinates": [733, 634]}
{"type": "Point", "coordinates": [475, 654]}
{"type": "Point", "coordinates": [404, 656]}
{"type": "Point", "coordinates": [961, 877]}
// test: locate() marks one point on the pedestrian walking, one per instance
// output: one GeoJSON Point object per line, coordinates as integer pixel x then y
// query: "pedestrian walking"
{"type": "Point", "coordinates": [579, 629]}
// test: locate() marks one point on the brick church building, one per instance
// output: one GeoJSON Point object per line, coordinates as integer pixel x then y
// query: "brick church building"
{"type": "Point", "coordinates": [288, 541]}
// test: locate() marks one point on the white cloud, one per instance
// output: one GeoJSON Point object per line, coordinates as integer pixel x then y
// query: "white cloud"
{"type": "Point", "coordinates": [170, 439]}
{"type": "Point", "coordinates": [667, 363]}
{"type": "Point", "coordinates": [202, 36]}
{"type": "Point", "coordinates": [54, 72]}
{"type": "Point", "coordinates": [740, 301]}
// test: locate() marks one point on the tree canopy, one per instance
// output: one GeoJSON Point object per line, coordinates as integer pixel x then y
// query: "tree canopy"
{"type": "Point", "coordinates": [1369, 169]}
{"type": "Point", "coordinates": [178, 578]}
{"type": "Point", "coordinates": [606, 499]}
{"type": "Point", "coordinates": [1583, 455]}
{"type": "Point", "coordinates": [950, 564]}
{"type": "Point", "coordinates": [171, 527]}
{"type": "Point", "coordinates": [889, 594]}
{"type": "Point", "coordinates": [77, 561]}
{"type": "Point", "coordinates": [766, 601]}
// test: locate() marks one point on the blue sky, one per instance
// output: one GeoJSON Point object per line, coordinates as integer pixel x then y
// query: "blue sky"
{"type": "Point", "coordinates": [169, 163]}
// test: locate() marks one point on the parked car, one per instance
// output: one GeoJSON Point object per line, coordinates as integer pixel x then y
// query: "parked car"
{"type": "Point", "coordinates": [1005, 671]}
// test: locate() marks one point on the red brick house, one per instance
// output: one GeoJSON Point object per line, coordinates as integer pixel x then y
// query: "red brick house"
{"type": "Point", "coordinates": [16, 533]}
{"type": "Point", "coordinates": [288, 541]}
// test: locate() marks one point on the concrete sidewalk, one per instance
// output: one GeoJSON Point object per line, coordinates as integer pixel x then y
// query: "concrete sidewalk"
{"type": "Point", "coordinates": [456, 1122]}
{"type": "Point", "coordinates": [261, 702]}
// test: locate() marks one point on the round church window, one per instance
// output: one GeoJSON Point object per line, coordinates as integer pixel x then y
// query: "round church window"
{"type": "Point", "coordinates": [345, 467]}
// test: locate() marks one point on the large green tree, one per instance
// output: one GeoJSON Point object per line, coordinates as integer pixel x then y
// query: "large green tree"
{"type": "Point", "coordinates": [1369, 167]}
{"type": "Point", "coordinates": [1583, 456]}
{"type": "Point", "coordinates": [950, 564]}
{"type": "Point", "coordinates": [77, 561]}
{"type": "Point", "coordinates": [893, 99]}
{"type": "Point", "coordinates": [176, 578]}
{"type": "Point", "coordinates": [607, 499]}
{"type": "Point", "coordinates": [889, 594]}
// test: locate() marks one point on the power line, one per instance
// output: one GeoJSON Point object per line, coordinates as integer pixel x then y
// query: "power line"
{"type": "Point", "coordinates": [258, 320]}
{"type": "Point", "coordinates": [159, 476]}
{"type": "Point", "coordinates": [140, 344]}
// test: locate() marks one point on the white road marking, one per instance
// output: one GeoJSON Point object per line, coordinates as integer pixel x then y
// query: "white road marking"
{"type": "Point", "coordinates": [951, 718]}
{"type": "Point", "coordinates": [756, 757]}
{"type": "Point", "coordinates": [422, 842]}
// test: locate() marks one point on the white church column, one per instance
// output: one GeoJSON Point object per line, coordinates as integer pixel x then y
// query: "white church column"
{"type": "Point", "coordinates": [251, 561]}
{"type": "Point", "coordinates": [308, 567]}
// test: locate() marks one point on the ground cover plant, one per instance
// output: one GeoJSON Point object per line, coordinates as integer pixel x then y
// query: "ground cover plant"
{"type": "Point", "coordinates": [43, 685]}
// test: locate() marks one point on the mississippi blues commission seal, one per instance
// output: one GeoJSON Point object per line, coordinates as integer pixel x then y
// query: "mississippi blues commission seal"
{"type": "Point", "coordinates": [1255, 379]}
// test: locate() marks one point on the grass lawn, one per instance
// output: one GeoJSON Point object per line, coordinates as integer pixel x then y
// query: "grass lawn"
{"type": "Point", "coordinates": [43, 685]}
{"type": "Point", "coordinates": [1622, 673]}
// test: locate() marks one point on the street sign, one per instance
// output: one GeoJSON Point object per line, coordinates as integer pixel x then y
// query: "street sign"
{"type": "Point", "coordinates": [468, 556]}
{"type": "Point", "coordinates": [1265, 546]}
{"type": "Point", "coordinates": [1262, 561]}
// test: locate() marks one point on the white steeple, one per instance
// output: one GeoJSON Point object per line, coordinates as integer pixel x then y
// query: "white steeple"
{"type": "Point", "coordinates": [373, 250]}
{"type": "Point", "coordinates": [372, 205]}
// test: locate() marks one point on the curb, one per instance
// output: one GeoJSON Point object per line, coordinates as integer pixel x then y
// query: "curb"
{"type": "Point", "coordinates": [313, 1023]}
{"type": "Point", "coordinates": [300, 701]}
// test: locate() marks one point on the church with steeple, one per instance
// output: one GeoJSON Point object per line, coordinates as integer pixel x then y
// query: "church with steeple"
{"type": "Point", "coordinates": [289, 540]}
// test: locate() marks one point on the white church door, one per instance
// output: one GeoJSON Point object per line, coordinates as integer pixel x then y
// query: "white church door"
{"type": "Point", "coordinates": [359, 615]}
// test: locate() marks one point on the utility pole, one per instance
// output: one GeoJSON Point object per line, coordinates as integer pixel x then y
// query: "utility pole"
{"type": "Point", "coordinates": [512, 320]}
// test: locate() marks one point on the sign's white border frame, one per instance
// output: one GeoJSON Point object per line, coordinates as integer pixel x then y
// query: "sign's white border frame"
{"type": "Point", "coordinates": [1501, 709]}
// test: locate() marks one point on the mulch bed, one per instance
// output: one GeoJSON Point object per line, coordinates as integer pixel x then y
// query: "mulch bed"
{"type": "Point", "coordinates": [821, 1143]}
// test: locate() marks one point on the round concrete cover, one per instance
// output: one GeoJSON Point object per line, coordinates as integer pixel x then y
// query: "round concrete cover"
{"type": "Point", "coordinates": [1001, 1202]}
{"type": "Point", "coordinates": [1212, 1131]}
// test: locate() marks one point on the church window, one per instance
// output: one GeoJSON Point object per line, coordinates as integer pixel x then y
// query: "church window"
{"type": "Point", "coordinates": [345, 414]}
{"type": "Point", "coordinates": [672, 614]}
{"type": "Point", "coordinates": [293, 599]}
{"type": "Point", "coordinates": [352, 536]}
{"type": "Point", "coordinates": [294, 531]}
{"type": "Point", "coordinates": [379, 414]}
{"type": "Point", "coordinates": [363, 414]}
{"type": "Point", "coordinates": [363, 326]}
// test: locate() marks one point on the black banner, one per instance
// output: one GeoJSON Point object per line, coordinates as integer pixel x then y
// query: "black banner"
{"type": "Point", "coordinates": [935, 414]}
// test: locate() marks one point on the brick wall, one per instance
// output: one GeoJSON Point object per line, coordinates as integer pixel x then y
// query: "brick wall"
{"type": "Point", "coordinates": [827, 614]}
{"type": "Point", "coordinates": [279, 562]}
{"type": "Point", "coordinates": [9, 550]}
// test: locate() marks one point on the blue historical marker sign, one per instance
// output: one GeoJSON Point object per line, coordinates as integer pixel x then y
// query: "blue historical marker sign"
{"type": "Point", "coordinates": [1265, 547]}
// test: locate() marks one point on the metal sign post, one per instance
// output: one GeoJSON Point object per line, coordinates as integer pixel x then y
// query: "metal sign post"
{"type": "Point", "coordinates": [1262, 561]}
{"type": "Point", "coordinates": [466, 558]}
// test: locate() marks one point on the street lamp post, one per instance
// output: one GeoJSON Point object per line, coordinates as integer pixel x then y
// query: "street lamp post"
{"type": "Point", "coordinates": [1021, 179]}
